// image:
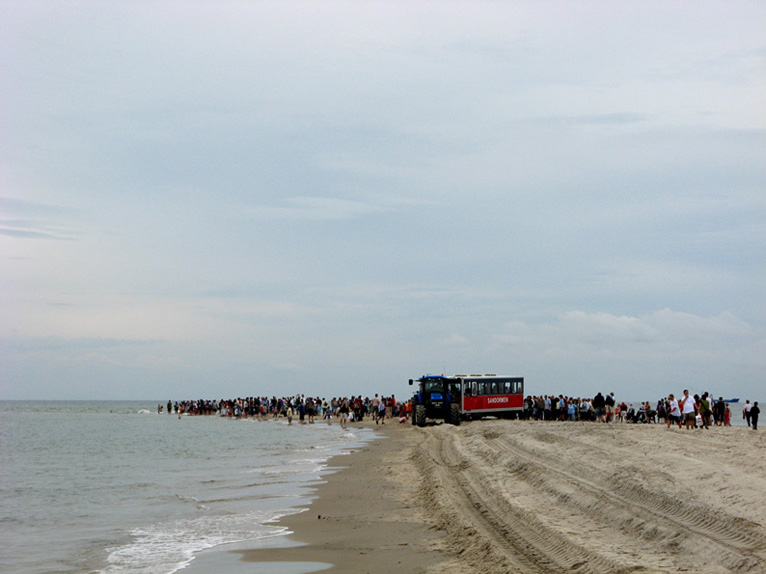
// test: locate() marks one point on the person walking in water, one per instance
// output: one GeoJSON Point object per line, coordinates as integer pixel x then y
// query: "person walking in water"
{"type": "Point", "coordinates": [343, 410]}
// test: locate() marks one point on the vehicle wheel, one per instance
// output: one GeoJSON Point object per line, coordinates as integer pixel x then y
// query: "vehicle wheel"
{"type": "Point", "coordinates": [454, 413]}
{"type": "Point", "coordinates": [420, 415]}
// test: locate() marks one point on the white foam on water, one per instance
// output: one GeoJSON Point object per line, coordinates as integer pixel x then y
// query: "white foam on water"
{"type": "Point", "coordinates": [299, 466]}
{"type": "Point", "coordinates": [166, 548]}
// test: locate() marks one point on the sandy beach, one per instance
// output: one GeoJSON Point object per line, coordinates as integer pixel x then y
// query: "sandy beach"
{"type": "Point", "coordinates": [526, 496]}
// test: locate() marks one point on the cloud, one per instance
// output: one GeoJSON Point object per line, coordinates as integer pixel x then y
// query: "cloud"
{"type": "Point", "coordinates": [315, 209]}
{"type": "Point", "coordinates": [572, 195]}
{"type": "Point", "coordinates": [608, 119]}
{"type": "Point", "coordinates": [31, 234]}
{"type": "Point", "coordinates": [580, 329]}
{"type": "Point", "coordinates": [21, 207]}
{"type": "Point", "coordinates": [30, 220]}
{"type": "Point", "coordinates": [456, 340]}
{"type": "Point", "coordinates": [638, 356]}
{"type": "Point", "coordinates": [642, 348]}
{"type": "Point", "coordinates": [79, 344]}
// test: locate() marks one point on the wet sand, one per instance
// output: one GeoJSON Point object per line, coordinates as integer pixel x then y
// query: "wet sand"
{"type": "Point", "coordinates": [528, 497]}
{"type": "Point", "coordinates": [366, 518]}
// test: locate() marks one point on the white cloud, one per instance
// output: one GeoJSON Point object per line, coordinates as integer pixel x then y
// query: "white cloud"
{"type": "Point", "coordinates": [456, 340]}
{"type": "Point", "coordinates": [313, 209]}
{"type": "Point", "coordinates": [638, 355]}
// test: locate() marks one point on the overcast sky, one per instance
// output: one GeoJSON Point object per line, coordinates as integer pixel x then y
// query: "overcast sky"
{"type": "Point", "coordinates": [217, 199]}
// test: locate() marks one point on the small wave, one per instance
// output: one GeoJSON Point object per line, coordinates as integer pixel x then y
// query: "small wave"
{"type": "Point", "coordinates": [292, 467]}
{"type": "Point", "coordinates": [191, 499]}
{"type": "Point", "coordinates": [169, 547]}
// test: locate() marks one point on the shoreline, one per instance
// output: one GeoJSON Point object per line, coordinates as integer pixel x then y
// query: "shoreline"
{"type": "Point", "coordinates": [362, 518]}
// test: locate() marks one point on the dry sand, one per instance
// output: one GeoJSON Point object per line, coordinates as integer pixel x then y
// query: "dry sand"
{"type": "Point", "coordinates": [525, 496]}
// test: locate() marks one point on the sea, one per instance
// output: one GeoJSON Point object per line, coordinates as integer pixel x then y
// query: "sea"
{"type": "Point", "coordinates": [115, 487]}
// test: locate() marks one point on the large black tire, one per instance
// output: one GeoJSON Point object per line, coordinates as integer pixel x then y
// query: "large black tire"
{"type": "Point", "coordinates": [420, 415]}
{"type": "Point", "coordinates": [454, 413]}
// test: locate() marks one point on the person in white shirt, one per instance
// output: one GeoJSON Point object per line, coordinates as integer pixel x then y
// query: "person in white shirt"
{"type": "Point", "coordinates": [674, 412]}
{"type": "Point", "coordinates": [688, 409]}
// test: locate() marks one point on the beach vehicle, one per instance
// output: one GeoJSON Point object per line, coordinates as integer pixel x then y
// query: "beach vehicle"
{"type": "Point", "coordinates": [436, 398]}
{"type": "Point", "coordinates": [482, 395]}
{"type": "Point", "coordinates": [467, 397]}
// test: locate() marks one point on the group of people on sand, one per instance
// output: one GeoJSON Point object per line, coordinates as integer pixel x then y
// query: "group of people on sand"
{"type": "Point", "coordinates": [697, 411]}
{"type": "Point", "coordinates": [560, 408]}
{"type": "Point", "coordinates": [306, 409]}
{"type": "Point", "coordinates": [750, 414]}
{"type": "Point", "coordinates": [601, 408]}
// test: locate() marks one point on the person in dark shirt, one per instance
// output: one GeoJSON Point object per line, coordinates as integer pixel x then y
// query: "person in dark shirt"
{"type": "Point", "coordinates": [598, 405]}
{"type": "Point", "coordinates": [754, 412]}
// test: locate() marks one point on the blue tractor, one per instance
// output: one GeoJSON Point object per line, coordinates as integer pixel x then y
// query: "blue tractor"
{"type": "Point", "coordinates": [437, 397]}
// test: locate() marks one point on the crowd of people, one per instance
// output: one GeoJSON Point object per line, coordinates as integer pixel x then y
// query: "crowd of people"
{"type": "Point", "coordinates": [698, 411]}
{"type": "Point", "coordinates": [305, 409]}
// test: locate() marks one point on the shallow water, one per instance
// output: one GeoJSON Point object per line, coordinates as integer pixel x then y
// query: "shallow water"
{"type": "Point", "coordinates": [114, 487]}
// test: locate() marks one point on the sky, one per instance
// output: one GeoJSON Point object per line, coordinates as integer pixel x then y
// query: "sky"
{"type": "Point", "coordinates": [222, 199]}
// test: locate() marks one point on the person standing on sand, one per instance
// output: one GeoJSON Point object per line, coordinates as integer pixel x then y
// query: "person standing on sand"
{"type": "Point", "coordinates": [718, 411]}
{"type": "Point", "coordinates": [674, 412]}
{"type": "Point", "coordinates": [599, 404]}
{"type": "Point", "coordinates": [688, 410]}
{"type": "Point", "coordinates": [705, 410]}
{"type": "Point", "coordinates": [374, 408]}
{"type": "Point", "coordinates": [609, 406]}
{"type": "Point", "coordinates": [746, 412]}
{"type": "Point", "coordinates": [754, 412]}
{"type": "Point", "coordinates": [382, 411]}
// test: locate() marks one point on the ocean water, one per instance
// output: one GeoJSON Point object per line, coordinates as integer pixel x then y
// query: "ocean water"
{"type": "Point", "coordinates": [114, 487]}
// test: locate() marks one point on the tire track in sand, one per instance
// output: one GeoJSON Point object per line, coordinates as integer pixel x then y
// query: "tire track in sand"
{"type": "Point", "coordinates": [503, 536]}
{"type": "Point", "coordinates": [741, 542]}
